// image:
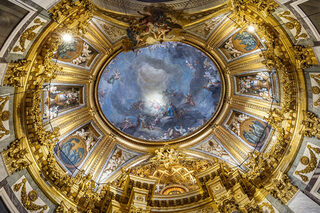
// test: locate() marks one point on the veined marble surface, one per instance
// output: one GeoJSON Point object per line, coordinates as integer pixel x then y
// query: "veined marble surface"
{"type": "Point", "coordinates": [301, 203]}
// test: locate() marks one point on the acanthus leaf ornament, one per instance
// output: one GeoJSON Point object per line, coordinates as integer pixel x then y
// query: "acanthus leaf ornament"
{"type": "Point", "coordinates": [282, 188]}
{"type": "Point", "coordinates": [73, 15]}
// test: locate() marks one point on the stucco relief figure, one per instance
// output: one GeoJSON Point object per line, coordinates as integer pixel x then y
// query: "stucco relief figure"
{"type": "Point", "coordinates": [60, 98]}
{"type": "Point", "coordinates": [257, 84]}
{"type": "Point", "coordinates": [251, 130]}
{"type": "Point", "coordinates": [118, 158]}
{"type": "Point", "coordinates": [213, 147]}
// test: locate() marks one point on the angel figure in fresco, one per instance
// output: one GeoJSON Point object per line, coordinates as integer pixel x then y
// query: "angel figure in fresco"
{"type": "Point", "coordinates": [212, 82]}
{"type": "Point", "coordinates": [232, 51]}
{"type": "Point", "coordinates": [89, 143]}
{"type": "Point", "coordinates": [114, 77]}
{"type": "Point", "coordinates": [154, 27]}
{"type": "Point", "coordinates": [207, 64]}
{"type": "Point", "coordinates": [115, 161]}
{"type": "Point", "coordinates": [189, 100]}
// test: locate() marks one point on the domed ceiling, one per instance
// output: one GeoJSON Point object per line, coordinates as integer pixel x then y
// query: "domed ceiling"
{"type": "Point", "coordinates": [177, 105]}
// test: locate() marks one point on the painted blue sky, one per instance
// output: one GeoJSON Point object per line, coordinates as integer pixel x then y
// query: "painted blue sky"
{"type": "Point", "coordinates": [138, 89]}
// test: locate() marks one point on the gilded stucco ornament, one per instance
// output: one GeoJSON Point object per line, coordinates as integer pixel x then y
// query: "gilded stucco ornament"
{"type": "Point", "coordinates": [16, 73]}
{"type": "Point", "coordinates": [62, 208]}
{"type": "Point", "coordinates": [28, 199]}
{"type": "Point", "coordinates": [282, 188]}
{"type": "Point", "coordinates": [316, 88]}
{"type": "Point", "coordinates": [29, 35]}
{"type": "Point", "coordinates": [15, 156]}
{"type": "Point", "coordinates": [293, 24]}
{"type": "Point", "coordinates": [275, 57]}
{"type": "Point", "coordinates": [310, 163]}
{"type": "Point", "coordinates": [311, 125]}
{"type": "Point", "coordinates": [4, 116]}
{"type": "Point", "coordinates": [157, 25]}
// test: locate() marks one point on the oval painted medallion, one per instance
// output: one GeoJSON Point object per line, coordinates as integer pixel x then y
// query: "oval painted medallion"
{"type": "Point", "coordinates": [161, 92]}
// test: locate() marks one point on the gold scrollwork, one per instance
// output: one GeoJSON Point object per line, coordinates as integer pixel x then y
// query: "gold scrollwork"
{"type": "Point", "coordinates": [4, 116]}
{"type": "Point", "coordinates": [28, 199]}
{"type": "Point", "coordinates": [29, 35]}
{"type": "Point", "coordinates": [310, 163]}
{"type": "Point", "coordinates": [293, 24]}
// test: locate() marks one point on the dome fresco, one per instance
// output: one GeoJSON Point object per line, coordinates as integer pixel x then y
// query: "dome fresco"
{"type": "Point", "coordinates": [161, 92]}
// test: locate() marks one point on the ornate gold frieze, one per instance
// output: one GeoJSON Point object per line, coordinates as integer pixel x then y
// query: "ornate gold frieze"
{"type": "Point", "coordinates": [304, 56]}
{"type": "Point", "coordinates": [316, 89]}
{"type": "Point", "coordinates": [62, 208]}
{"type": "Point", "coordinates": [28, 199]}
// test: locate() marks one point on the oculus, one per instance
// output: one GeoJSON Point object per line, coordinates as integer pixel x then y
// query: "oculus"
{"type": "Point", "coordinates": [161, 92]}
